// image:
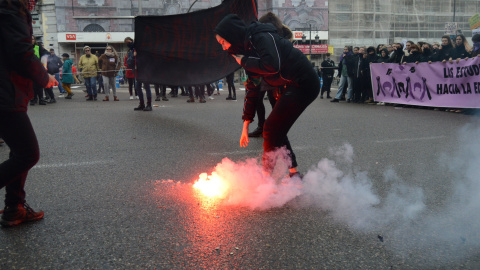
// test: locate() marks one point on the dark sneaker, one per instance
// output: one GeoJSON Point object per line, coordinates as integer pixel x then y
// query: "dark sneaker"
{"type": "Point", "coordinates": [202, 100]}
{"type": "Point", "coordinates": [157, 98]}
{"type": "Point", "coordinates": [296, 174]}
{"type": "Point", "coordinates": [334, 100]}
{"type": "Point", "coordinates": [15, 215]}
{"type": "Point", "coordinates": [190, 100]}
{"type": "Point", "coordinates": [258, 132]}
{"type": "Point", "coordinates": [165, 98]}
{"type": "Point", "coordinates": [52, 101]}
{"type": "Point", "coordinates": [139, 108]}
{"type": "Point", "coordinates": [69, 96]}
{"type": "Point", "coordinates": [147, 108]}
{"type": "Point", "coordinates": [234, 98]}
{"type": "Point", "coordinates": [90, 98]}
{"type": "Point", "coordinates": [229, 98]}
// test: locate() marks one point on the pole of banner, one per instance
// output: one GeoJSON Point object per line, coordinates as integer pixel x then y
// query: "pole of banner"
{"type": "Point", "coordinates": [310, 38]}
{"type": "Point", "coordinates": [191, 6]}
{"type": "Point", "coordinates": [255, 8]}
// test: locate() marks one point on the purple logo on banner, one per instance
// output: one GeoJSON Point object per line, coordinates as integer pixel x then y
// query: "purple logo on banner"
{"type": "Point", "coordinates": [437, 84]}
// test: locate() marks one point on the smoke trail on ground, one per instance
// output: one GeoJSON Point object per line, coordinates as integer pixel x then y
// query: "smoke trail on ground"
{"type": "Point", "coordinates": [446, 234]}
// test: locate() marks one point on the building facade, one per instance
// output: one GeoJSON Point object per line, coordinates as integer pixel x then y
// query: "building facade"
{"type": "Point", "coordinates": [69, 25]}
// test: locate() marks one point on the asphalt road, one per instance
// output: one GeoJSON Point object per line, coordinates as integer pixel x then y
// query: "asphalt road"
{"type": "Point", "coordinates": [102, 181]}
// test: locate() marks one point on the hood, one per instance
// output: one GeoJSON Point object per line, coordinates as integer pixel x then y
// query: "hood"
{"type": "Point", "coordinates": [233, 29]}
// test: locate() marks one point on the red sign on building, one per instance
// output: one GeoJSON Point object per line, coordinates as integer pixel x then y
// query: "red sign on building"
{"type": "Point", "coordinates": [298, 34]}
{"type": "Point", "coordinates": [71, 36]}
{"type": "Point", "coordinates": [316, 48]}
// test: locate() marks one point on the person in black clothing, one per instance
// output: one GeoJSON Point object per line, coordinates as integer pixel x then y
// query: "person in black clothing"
{"type": "Point", "coordinates": [445, 51]}
{"type": "Point", "coordinates": [476, 45]}
{"type": "Point", "coordinates": [328, 70]}
{"type": "Point", "coordinates": [427, 51]}
{"type": "Point", "coordinates": [370, 57]}
{"type": "Point", "coordinates": [231, 87]}
{"type": "Point", "coordinates": [265, 55]}
{"type": "Point", "coordinates": [384, 58]}
{"type": "Point", "coordinates": [286, 33]}
{"type": "Point", "coordinates": [38, 89]}
{"type": "Point", "coordinates": [18, 68]}
{"type": "Point", "coordinates": [462, 49]}
{"type": "Point", "coordinates": [398, 54]}
{"type": "Point", "coordinates": [415, 55]}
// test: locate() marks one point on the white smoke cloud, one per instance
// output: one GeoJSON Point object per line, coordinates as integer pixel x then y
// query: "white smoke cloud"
{"type": "Point", "coordinates": [443, 234]}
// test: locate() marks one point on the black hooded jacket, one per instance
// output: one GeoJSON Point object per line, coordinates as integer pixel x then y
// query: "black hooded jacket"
{"type": "Point", "coordinates": [445, 53]}
{"type": "Point", "coordinates": [459, 52]}
{"type": "Point", "coordinates": [266, 54]}
{"type": "Point", "coordinates": [414, 57]}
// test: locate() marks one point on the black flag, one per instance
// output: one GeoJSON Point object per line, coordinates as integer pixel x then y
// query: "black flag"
{"type": "Point", "coordinates": [182, 49]}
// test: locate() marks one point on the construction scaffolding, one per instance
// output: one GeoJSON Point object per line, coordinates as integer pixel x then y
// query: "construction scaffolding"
{"type": "Point", "coordinates": [369, 23]}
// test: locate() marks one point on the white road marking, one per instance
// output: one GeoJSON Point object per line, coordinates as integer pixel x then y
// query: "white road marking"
{"type": "Point", "coordinates": [411, 139]}
{"type": "Point", "coordinates": [72, 164]}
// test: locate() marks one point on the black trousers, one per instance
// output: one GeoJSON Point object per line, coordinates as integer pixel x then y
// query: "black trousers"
{"type": "Point", "coordinates": [327, 85]}
{"type": "Point", "coordinates": [131, 84]}
{"type": "Point", "coordinates": [231, 85]}
{"type": "Point", "coordinates": [260, 109]}
{"type": "Point", "coordinates": [37, 91]}
{"type": "Point", "coordinates": [287, 109]}
{"type": "Point", "coordinates": [17, 132]}
{"type": "Point", "coordinates": [198, 91]}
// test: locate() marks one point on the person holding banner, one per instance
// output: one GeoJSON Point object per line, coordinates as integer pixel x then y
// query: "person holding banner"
{"type": "Point", "coordinates": [265, 55]}
{"type": "Point", "coordinates": [476, 45]}
{"type": "Point", "coordinates": [462, 49]}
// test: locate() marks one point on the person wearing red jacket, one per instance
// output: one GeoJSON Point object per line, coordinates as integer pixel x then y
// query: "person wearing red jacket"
{"type": "Point", "coordinates": [19, 68]}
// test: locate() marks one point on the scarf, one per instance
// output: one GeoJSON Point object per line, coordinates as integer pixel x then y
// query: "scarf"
{"type": "Point", "coordinates": [476, 46]}
{"type": "Point", "coordinates": [110, 54]}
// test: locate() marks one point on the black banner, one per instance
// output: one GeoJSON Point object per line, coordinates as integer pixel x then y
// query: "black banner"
{"type": "Point", "coordinates": [182, 49]}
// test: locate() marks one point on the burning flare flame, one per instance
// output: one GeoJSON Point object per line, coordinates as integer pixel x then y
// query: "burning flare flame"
{"type": "Point", "coordinates": [212, 185]}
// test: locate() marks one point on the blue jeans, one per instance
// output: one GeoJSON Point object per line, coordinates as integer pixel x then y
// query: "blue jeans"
{"type": "Point", "coordinates": [60, 88]}
{"type": "Point", "coordinates": [148, 91]}
{"type": "Point", "coordinates": [91, 83]}
{"type": "Point", "coordinates": [341, 87]}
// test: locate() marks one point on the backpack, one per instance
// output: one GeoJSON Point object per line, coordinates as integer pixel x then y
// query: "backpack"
{"type": "Point", "coordinates": [130, 60]}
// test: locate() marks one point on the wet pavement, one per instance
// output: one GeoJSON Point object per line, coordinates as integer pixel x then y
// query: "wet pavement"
{"type": "Point", "coordinates": [116, 188]}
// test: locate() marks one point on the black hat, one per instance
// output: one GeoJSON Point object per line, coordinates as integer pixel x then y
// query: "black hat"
{"type": "Point", "coordinates": [65, 55]}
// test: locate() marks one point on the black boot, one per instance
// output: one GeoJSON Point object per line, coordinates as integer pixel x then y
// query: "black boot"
{"type": "Point", "coordinates": [42, 102]}
{"type": "Point", "coordinates": [140, 107]}
{"type": "Point", "coordinates": [90, 98]}
{"type": "Point", "coordinates": [148, 107]}
{"type": "Point", "coordinates": [258, 132]}
{"type": "Point", "coordinates": [229, 97]}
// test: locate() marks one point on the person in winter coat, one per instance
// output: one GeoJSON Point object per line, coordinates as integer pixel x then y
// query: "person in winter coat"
{"type": "Point", "coordinates": [427, 52]}
{"type": "Point", "coordinates": [415, 55]}
{"type": "Point", "coordinates": [445, 51]}
{"type": "Point", "coordinates": [67, 75]}
{"type": "Point", "coordinates": [398, 54]}
{"type": "Point", "coordinates": [369, 58]}
{"type": "Point", "coordinates": [345, 72]}
{"type": "Point", "coordinates": [383, 56]}
{"type": "Point", "coordinates": [18, 69]}
{"type": "Point", "coordinates": [476, 45]}
{"type": "Point", "coordinates": [328, 70]}
{"type": "Point", "coordinates": [88, 65]}
{"type": "Point", "coordinates": [37, 89]}
{"type": "Point", "coordinates": [265, 88]}
{"type": "Point", "coordinates": [54, 64]}
{"type": "Point", "coordinates": [462, 49]}
{"type": "Point", "coordinates": [109, 64]}
{"type": "Point", "coordinates": [265, 55]}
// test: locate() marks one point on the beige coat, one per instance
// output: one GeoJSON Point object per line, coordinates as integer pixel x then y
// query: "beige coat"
{"type": "Point", "coordinates": [89, 66]}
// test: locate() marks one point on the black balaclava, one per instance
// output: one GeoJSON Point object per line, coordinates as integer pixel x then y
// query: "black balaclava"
{"type": "Point", "coordinates": [233, 29]}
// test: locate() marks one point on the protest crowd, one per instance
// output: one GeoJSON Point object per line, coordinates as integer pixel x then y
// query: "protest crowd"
{"type": "Point", "coordinates": [353, 70]}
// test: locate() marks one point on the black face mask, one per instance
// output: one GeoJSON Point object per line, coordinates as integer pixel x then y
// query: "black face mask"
{"type": "Point", "coordinates": [130, 45]}
{"type": "Point", "coordinates": [426, 51]}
